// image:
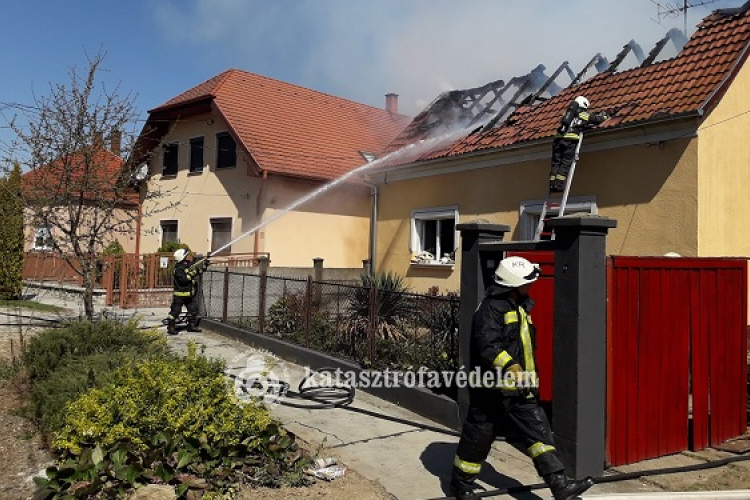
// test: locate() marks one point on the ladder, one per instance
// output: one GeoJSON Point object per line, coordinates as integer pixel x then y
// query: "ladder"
{"type": "Point", "coordinates": [564, 200]}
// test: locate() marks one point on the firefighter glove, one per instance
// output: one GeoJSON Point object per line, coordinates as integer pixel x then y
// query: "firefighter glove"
{"type": "Point", "coordinates": [515, 382]}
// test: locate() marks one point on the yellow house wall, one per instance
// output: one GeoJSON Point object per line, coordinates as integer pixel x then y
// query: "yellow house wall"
{"type": "Point", "coordinates": [724, 174]}
{"type": "Point", "coordinates": [193, 199]}
{"type": "Point", "coordinates": [333, 226]}
{"type": "Point", "coordinates": [124, 236]}
{"type": "Point", "coordinates": [648, 189]}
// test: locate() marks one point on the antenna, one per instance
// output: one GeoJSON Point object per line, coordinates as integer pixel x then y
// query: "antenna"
{"type": "Point", "coordinates": [669, 10]}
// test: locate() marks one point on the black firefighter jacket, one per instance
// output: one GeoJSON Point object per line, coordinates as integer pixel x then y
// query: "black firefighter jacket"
{"type": "Point", "coordinates": [502, 333]}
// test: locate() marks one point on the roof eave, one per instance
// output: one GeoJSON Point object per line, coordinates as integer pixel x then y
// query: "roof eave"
{"type": "Point", "coordinates": [381, 175]}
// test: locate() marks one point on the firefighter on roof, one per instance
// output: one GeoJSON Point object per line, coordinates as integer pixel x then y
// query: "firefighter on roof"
{"type": "Point", "coordinates": [576, 119]}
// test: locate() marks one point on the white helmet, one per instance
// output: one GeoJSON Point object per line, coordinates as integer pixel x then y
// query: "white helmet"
{"type": "Point", "coordinates": [516, 271]}
{"type": "Point", "coordinates": [582, 102]}
{"type": "Point", "coordinates": [180, 254]}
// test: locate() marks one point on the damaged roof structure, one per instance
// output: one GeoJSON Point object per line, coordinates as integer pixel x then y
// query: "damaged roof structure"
{"type": "Point", "coordinates": [528, 108]}
{"type": "Point", "coordinates": [670, 165]}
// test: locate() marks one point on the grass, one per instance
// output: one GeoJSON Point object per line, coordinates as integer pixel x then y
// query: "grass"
{"type": "Point", "coordinates": [29, 304]}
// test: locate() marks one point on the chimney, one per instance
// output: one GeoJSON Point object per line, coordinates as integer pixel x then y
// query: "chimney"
{"type": "Point", "coordinates": [115, 141]}
{"type": "Point", "coordinates": [391, 103]}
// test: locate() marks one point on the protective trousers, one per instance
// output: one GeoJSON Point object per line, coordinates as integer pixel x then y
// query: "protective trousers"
{"type": "Point", "coordinates": [563, 154]}
{"type": "Point", "coordinates": [483, 421]}
{"type": "Point", "coordinates": [190, 304]}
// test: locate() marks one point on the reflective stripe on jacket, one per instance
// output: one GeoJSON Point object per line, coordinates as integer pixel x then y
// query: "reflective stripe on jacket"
{"type": "Point", "coordinates": [502, 333]}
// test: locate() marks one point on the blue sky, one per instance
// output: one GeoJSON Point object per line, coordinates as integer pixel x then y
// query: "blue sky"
{"type": "Point", "coordinates": [356, 49]}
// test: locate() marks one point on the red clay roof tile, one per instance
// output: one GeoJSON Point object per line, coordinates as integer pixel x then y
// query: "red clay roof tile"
{"type": "Point", "coordinates": [687, 83]}
{"type": "Point", "coordinates": [87, 171]}
{"type": "Point", "coordinates": [293, 130]}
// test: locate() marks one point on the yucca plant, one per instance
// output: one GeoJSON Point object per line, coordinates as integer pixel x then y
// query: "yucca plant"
{"type": "Point", "coordinates": [390, 302]}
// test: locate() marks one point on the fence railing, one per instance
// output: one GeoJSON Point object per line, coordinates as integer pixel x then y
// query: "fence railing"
{"type": "Point", "coordinates": [377, 328]}
{"type": "Point", "coordinates": [49, 266]}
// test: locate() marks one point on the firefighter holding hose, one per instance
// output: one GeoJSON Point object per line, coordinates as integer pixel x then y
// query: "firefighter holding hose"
{"type": "Point", "coordinates": [185, 280]}
{"type": "Point", "coordinates": [502, 342]}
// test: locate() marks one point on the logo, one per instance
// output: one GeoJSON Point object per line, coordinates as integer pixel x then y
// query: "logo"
{"type": "Point", "coordinates": [263, 377]}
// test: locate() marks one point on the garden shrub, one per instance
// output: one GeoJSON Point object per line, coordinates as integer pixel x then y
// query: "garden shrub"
{"type": "Point", "coordinates": [73, 376]}
{"type": "Point", "coordinates": [46, 351]}
{"type": "Point", "coordinates": [178, 396]}
{"type": "Point", "coordinates": [169, 420]}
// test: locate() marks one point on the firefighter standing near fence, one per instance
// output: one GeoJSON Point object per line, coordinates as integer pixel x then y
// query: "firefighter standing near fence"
{"type": "Point", "coordinates": [502, 341]}
{"type": "Point", "coordinates": [576, 119]}
{"type": "Point", "coordinates": [185, 289]}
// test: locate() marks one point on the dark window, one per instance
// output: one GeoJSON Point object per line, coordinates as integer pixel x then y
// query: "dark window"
{"type": "Point", "coordinates": [226, 154]}
{"type": "Point", "coordinates": [171, 153]}
{"type": "Point", "coordinates": [196, 154]}
{"type": "Point", "coordinates": [168, 231]}
{"type": "Point", "coordinates": [221, 234]}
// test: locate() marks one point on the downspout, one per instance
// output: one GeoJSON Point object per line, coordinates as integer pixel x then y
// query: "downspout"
{"type": "Point", "coordinates": [256, 237]}
{"type": "Point", "coordinates": [138, 228]}
{"type": "Point", "coordinates": [373, 223]}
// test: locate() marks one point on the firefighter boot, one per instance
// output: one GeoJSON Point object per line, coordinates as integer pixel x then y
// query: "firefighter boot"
{"type": "Point", "coordinates": [463, 485]}
{"type": "Point", "coordinates": [171, 327]}
{"type": "Point", "coordinates": [193, 325]}
{"type": "Point", "coordinates": [566, 489]}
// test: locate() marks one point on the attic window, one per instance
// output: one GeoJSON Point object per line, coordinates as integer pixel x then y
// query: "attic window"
{"type": "Point", "coordinates": [226, 154]}
{"type": "Point", "coordinates": [368, 157]}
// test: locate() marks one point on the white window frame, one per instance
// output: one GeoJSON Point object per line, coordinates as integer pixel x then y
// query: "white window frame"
{"type": "Point", "coordinates": [176, 234]}
{"type": "Point", "coordinates": [45, 234]}
{"type": "Point", "coordinates": [531, 210]}
{"type": "Point", "coordinates": [219, 219]}
{"type": "Point", "coordinates": [416, 243]}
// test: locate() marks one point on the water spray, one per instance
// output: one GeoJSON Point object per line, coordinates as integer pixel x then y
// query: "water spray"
{"type": "Point", "coordinates": [414, 148]}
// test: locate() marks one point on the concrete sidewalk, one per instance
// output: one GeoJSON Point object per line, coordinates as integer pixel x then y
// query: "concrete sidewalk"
{"type": "Point", "coordinates": [409, 463]}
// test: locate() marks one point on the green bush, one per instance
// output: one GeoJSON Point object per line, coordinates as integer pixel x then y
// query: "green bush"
{"type": "Point", "coordinates": [47, 351]}
{"type": "Point", "coordinates": [168, 420]}
{"type": "Point", "coordinates": [172, 246]}
{"type": "Point", "coordinates": [114, 248]}
{"type": "Point", "coordinates": [73, 376]}
{"type": "Point", "coordinates": [186, 397]}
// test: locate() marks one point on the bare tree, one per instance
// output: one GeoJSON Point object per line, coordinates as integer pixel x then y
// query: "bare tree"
{"type": "Point", "coordinates": [77, 190]}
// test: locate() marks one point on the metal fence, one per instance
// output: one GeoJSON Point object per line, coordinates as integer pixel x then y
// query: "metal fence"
{"type": "Point", "coordinates": [377, 328]}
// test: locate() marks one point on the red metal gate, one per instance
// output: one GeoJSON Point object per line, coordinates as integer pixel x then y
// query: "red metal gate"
{"type": "Point", "coordinates": [677, 341]}
{"type": "Point", "coordinates": [543, 293]}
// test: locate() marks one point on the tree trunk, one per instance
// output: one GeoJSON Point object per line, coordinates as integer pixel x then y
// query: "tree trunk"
{"type": "Point", "coordinates": [88, 293]}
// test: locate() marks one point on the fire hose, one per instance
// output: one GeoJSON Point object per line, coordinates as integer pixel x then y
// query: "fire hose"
{"type": "Point", "coordinates": [342, 396]}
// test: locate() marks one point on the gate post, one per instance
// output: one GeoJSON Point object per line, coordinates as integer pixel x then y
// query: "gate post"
{"type": "Point", "coordinates": [472, 291]}
{"type": "Point", "coordinates": [263, 263]}
{"type": "Point", "coordinates": [580, 342]}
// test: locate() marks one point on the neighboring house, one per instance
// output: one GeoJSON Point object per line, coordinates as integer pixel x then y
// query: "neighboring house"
{"type": "Point", "coordinates": [240, 148]}
{"type": "Point", "coordinates": [672, 166]}
{"type": "Point", "coordinates": [82, 189]}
